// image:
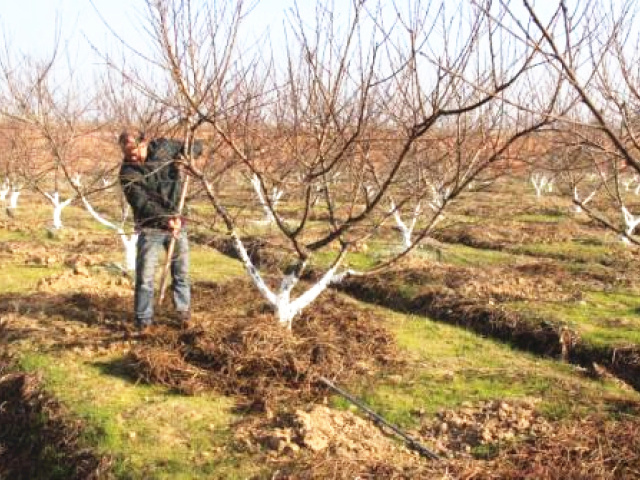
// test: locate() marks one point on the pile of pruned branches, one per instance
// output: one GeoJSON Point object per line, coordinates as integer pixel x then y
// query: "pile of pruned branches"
{"type": "Point", "coordinates": [250, 354]}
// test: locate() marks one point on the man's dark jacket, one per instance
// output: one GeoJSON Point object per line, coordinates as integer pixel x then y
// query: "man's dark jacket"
{"type": "Point", "coordinates": [153, 188]}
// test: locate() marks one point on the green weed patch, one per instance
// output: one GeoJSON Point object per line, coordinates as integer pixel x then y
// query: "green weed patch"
{"type": "Point", "coordinates": [149, 431]}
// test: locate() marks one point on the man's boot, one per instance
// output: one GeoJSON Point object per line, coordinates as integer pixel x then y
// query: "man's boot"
{"type": "Point", "coordinates": [184, 317]}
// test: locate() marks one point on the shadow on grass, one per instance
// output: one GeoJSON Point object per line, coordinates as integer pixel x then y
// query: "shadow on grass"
{"type": "Point", "coordinates": [37, 438]}
{"type": "Point", "coordinates": [119, 368]}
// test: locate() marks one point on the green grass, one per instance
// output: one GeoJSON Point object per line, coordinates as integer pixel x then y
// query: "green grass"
{"type": "Point", "coordinates": [150, 432]}
{"type": "Point", "coordinates": [210, 265]}
{"type": "Point", "coordinates": [355, 260]}
{"type": "Point", "coordinates": [449, 366]}
{"type": "Point", "coordinates": [468, 256]}
{"type": "Point", "coordinates": [453, 254]}
{"type": "Point", "coordinates": [601, 318]}
{"type": "Point", "coordinates": [13, 235]}
{"type": "Point", "coordinates": [553, 218]}
{"type": "Point", "coordinates": [24, 278]}
{"type": "Point", "coordinates": [574, 251]}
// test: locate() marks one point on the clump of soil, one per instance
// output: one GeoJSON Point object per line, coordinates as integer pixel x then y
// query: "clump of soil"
{"type": "Point", "coordinates": [320, 443]}
{"type": "Point", "coordinates": [450, 434]}
{"type": "Point", "coordinates": [458, 433]}
{"type": "Point", "coordinates": [318, 429]}
{"type": "Point", "coordinates": [37, 440]}
{"type": "Point", "coordinates": [250, 354]}
{"type": "Point", "coordinates": [321, 432]}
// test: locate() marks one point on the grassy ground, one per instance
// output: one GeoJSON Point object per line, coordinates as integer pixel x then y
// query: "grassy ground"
{"type": "Point", "coordinates": [451, 366]}
{"type": "Point", "coordinates": [150, 431]}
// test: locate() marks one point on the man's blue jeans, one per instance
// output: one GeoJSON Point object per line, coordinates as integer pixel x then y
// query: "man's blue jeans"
{"type": "Point", "coordinates": [149, 244]}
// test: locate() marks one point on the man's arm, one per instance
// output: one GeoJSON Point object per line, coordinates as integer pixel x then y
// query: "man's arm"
{"type": "Point", "coordinates": [164, 149]}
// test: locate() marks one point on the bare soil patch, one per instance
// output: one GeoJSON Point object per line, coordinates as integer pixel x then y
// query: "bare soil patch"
{"type": "Point", "coordinates": [489, 441]}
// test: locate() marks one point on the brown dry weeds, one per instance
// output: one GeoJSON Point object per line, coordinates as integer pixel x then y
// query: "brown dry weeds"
{"type": "Point", "coordinates": [236, 349]}
{"type": "Point", "coordinates": [595, 448]}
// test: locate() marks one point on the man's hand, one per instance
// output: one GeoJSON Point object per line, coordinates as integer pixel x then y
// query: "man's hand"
{"type": "Point", "coordinates": [181, 164]}
{"type": "Point", "coordinates": [175, 224]}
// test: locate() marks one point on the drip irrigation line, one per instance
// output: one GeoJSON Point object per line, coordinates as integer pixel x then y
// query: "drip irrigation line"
{"type": "Point", "coordinates": [410, 441]}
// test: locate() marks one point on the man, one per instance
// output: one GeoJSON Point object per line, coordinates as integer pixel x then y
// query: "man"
{"type": "Point", "coordinates": [151, 181]}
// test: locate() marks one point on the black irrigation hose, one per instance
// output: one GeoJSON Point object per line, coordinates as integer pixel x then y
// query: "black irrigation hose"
{"type": "Point", "coordinates": [411, 442]}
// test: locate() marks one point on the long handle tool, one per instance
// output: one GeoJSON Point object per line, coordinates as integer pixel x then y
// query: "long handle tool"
{"type": "Point", "coordinates": [411, 442]}
{"type": "Point", "coordinates": [172, 244]}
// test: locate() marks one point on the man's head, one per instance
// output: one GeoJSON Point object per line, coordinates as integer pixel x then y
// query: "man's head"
{"type": "Point", "coordinates": [133, 145]}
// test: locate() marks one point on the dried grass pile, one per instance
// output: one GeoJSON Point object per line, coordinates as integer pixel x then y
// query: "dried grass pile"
{"type": "Point", "coordinates": [248, 353]}
{"type": "Point", "coordinates": [165, 366]}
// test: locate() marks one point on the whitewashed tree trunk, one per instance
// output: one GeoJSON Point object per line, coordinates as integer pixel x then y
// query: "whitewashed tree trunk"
{"type": "Point", "coordinates": [129, 242]}
{"type": "Point", "coordinates": [13, 198]}
{"type": "Point", "coordinates": [286, 309]}
{"type": "Point", "coordinates": [539, 181]}
{"type": "Point", "coordinates": [627, 182]}
{"type": "Point", "coordinates": [439, 196]}
{"type": "Point", "coordinates": [576, 196]}
{"type": "Point", "coordinates": [276, 194]}
{"type": "Point", "coordinates": [405, 230]}
{"type": "Point", "coordinates": [58, 206]}
{"type": "Point", "coordinates": [631, 222]}
{"type": "Point", "coordinates": [4, 191]}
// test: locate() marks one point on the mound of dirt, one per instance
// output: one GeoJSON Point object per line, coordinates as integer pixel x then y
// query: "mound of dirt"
{"type": "Point", "coordinates": [479, 315]}
{"type": "Point", "coordinates": [504, 285]}
{"type": "Point", "coordinates": [321, 443]}
{"type": "Point", "coordinates": [36, 438]}
{"type": "Point", "coordinates": [253, 356]}
{"type": "Point", "coordinates": [321, 431]}
{"type": "Point", "coordinates": [457, 433]}
{"type": "Point", "coordinates": [506, 235]}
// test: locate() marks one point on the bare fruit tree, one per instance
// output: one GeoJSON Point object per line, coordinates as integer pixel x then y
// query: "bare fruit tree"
{"type": "Point", "coordinates": [47, 112]}
{"type": "Point", "coordinates": [593, 44]}
{"type": "Point", "coordinates": [343, 122]}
